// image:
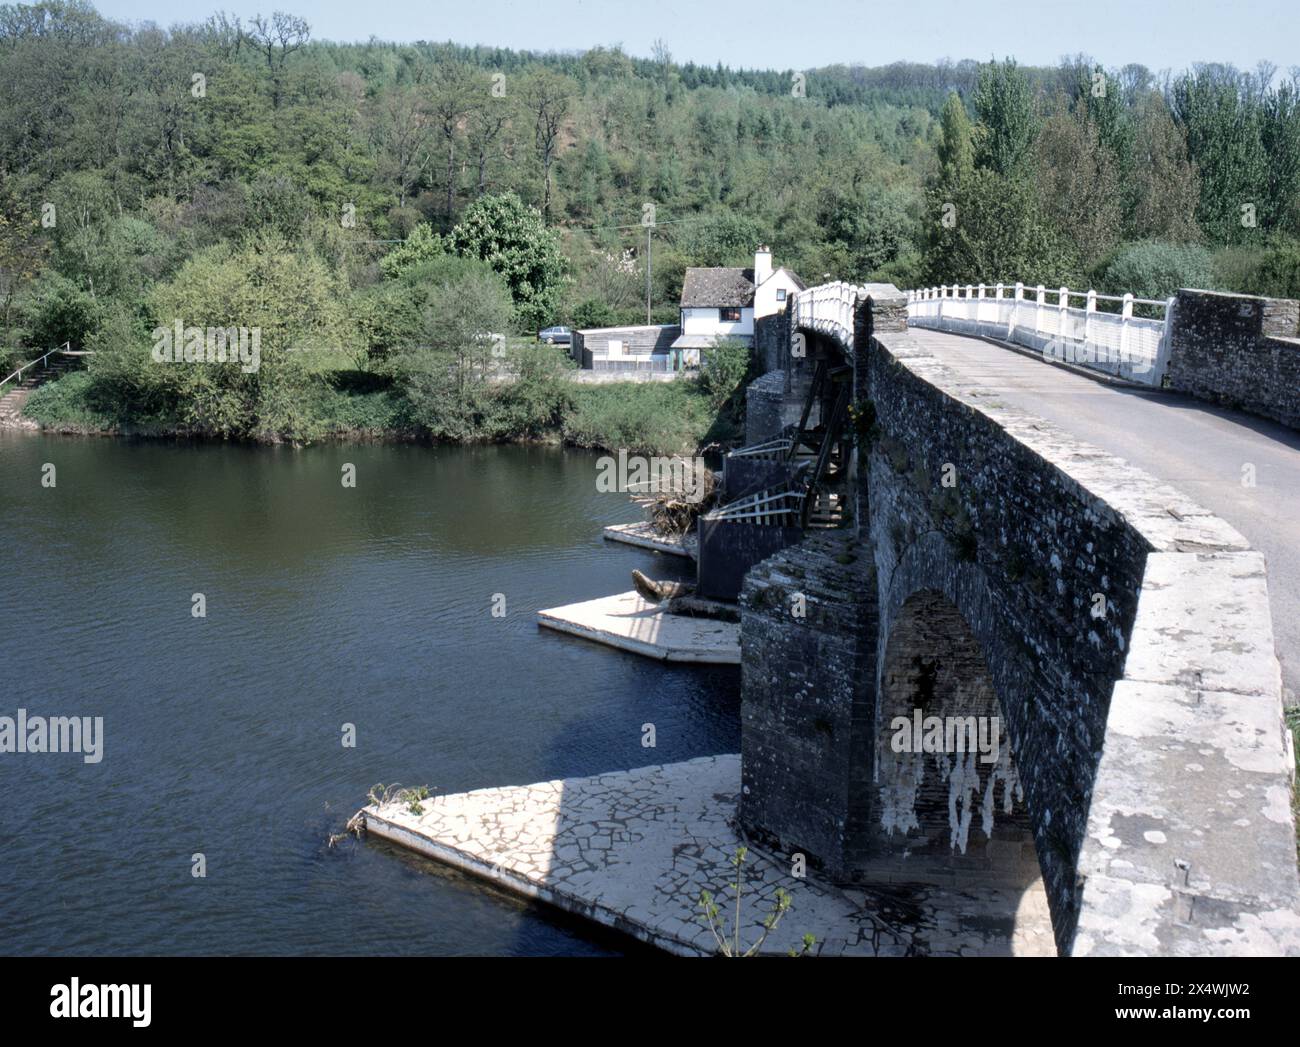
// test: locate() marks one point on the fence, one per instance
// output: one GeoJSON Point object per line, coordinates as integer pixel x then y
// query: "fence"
{"type": "Point", "coordinates": [1118, 343]}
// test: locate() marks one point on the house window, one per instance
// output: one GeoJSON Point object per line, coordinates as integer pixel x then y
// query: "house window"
{"type": "Point", "coordinates": [729, 314]}
{"type": "Point", "coordinates": [780, 294]}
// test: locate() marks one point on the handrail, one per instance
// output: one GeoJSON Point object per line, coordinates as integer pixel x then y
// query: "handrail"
{"type": "Point", "coordinates": [65, 347]}
{"type": "Point", "coordinates": [762, 505]}
{"type": "Point", "coordinates": [1117, 342]}
{"type": "Point", "coordinates": [768, 448]}
{"type": "Point", "coordinates": [1017, 291]}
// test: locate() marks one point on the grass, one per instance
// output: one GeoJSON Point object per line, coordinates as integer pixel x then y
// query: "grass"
{"type": "Point", "coordinates": [1293, 725]}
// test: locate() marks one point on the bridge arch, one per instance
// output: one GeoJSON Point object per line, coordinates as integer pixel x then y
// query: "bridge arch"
{"type": "Point", "coordinates": [947, 800]}
{"type": "Point", "coordinates": [943, 654]}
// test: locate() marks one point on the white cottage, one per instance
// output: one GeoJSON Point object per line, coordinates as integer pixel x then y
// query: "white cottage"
{"type": "Point", "coordinates": [724, 302]}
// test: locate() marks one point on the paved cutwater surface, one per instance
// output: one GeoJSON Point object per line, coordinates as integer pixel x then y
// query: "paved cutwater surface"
{"type": "Point", "coordinates": [1203, 450]}
{"type": "Point", "coordinates": [635, 849]}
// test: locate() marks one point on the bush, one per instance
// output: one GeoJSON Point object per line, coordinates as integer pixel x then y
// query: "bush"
{"type": "Point", "coordinates": [592, 313]}
{"type": "Point", "coordinates": [341, 403]}
{"type": "Point", "coordinates": [79, 401]}
{"type": "Point", "coordinates": [644, 417]}
{"type": "Point", "coordinates": [723, 370]}
{"type": "Point", "coordinates": [535, 403]}
{"type": "Point", "coordinates": [1272, 271]}
{"type": "Point", "coordinates": [1152, 269]}
{"type": "Point", "coordinates": [60, 312]}
{"type": "Point", "coordinates": [422, 245]}
{"type": "Point", "coordinates": [1278, 274]}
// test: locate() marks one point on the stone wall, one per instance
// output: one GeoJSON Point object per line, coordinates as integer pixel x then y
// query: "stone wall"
{"type": "Point", "coordinates": [1239, 351]}
{"type": "Point", "coordinates": [766, 413]}
{"type": "Point", "coordinates": [772, 341]}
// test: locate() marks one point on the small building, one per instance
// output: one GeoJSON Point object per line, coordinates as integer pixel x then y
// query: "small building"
{"type": "Point", "coordinates": [643, 348]}
{"type": "Point", "coordinates": [722, 302]}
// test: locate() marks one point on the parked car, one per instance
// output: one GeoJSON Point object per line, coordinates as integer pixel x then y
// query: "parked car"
{"type": "Point", "coordinates": [556, 335]}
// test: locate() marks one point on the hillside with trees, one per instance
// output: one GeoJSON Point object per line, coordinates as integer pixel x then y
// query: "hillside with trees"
{"type": "Point", "coordinates": [363, 203]}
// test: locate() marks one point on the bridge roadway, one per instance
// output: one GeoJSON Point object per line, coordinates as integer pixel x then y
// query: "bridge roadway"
{"type": "Point", "coordinates": [1197, 447]}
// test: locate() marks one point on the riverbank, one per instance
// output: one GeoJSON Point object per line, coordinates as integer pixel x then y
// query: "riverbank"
{"type": "Point", "coordinates": [645, 417]}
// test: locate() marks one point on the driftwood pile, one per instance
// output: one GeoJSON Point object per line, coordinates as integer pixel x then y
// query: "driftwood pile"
{"type": "Point", "coordinates": [671, 514]}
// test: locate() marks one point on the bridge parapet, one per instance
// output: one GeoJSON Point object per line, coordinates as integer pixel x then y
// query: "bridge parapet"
{"type": "Point", "coordinates": [828, 309]}
{"type": "Point", "coordinates": [1239, 350]}
{"type": "Point", "coordinates": [1100, 332]}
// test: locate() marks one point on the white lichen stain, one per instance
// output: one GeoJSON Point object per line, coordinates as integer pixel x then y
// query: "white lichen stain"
{"type": "Point", "coordinates": [898, 797]}
{"type": "Point", "coordinates": [1277, 805]}
{"type": "Point", "coordinates": [963, 783]}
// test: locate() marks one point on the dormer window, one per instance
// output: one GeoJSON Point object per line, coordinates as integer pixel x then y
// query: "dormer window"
{"type": "Point", "coordinates": [729, 314]}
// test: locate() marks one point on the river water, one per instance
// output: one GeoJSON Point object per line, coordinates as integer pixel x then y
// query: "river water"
{"type": "Point", "coordinates": [325, 606]}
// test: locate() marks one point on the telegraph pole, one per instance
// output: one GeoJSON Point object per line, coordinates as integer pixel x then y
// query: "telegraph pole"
{"type": "Point", "coordinates": [647, 273]}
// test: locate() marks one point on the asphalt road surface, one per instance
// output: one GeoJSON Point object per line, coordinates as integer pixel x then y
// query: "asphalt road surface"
{"type": "Point", "coordinates": [1197, 447]}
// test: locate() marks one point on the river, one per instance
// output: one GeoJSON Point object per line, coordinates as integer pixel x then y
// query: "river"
{"type": "Point", "coordinates": [325, 605]}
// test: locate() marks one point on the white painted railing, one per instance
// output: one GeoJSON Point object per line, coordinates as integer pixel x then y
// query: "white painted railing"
{"type": "Point", "coordinates": [828, 309]}
{"type": "Point", "coordinates": [42, 360]}
{"type": "Point", "coordinates": [1118, 343]}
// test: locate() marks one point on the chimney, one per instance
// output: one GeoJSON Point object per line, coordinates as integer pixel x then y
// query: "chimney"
{"type": "Point", "coordinates": [762, 264]}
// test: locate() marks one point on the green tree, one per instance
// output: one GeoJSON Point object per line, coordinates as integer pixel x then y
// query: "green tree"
{"type": "Point", "coordinates": [422, 245]}
{"type": "Point", "coordinates": [999, 233]}
{"type": "Point", "coordinates": [1220, 116]}
{"type": "Point", "coordinates": [1165, 185]}
{"type": "Point", "coordinates": [1079, 183]}
{"type": "Point", "coordinates": [956, 150]}
{"type": "Point", "coordinates": [446, 377]}
{"type": "Point", "coordinates": [512, 238]}
{"type": "Point", "coordinates": [1004, 102]}
{"type": "Point", "coordinates": [292, 299]}
{"type": "Point", "coordinates": [546, 99]}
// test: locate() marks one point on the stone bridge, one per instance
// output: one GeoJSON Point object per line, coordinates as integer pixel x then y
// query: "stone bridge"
{"type": "Point", "coordinates": [1103, 642]}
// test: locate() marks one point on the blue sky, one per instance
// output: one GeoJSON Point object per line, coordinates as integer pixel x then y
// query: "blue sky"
{"type": "Point", "coordinates": [807, 33]}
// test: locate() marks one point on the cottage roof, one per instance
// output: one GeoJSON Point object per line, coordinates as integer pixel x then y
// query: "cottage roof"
{"type": "Point", "coordinates": [717, 287]}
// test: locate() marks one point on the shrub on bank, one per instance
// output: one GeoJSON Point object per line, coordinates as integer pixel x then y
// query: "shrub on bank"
{"type": "Point", "coordinates": [644, 417]}
{"type": "Point", "coordinates": [540, 402]}
{"type": "Point", "coordinates": [1272, 270]}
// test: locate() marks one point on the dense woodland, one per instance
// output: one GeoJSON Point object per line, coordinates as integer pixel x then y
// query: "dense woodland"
{"type": "Point", "coordinates": [384, 202]}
